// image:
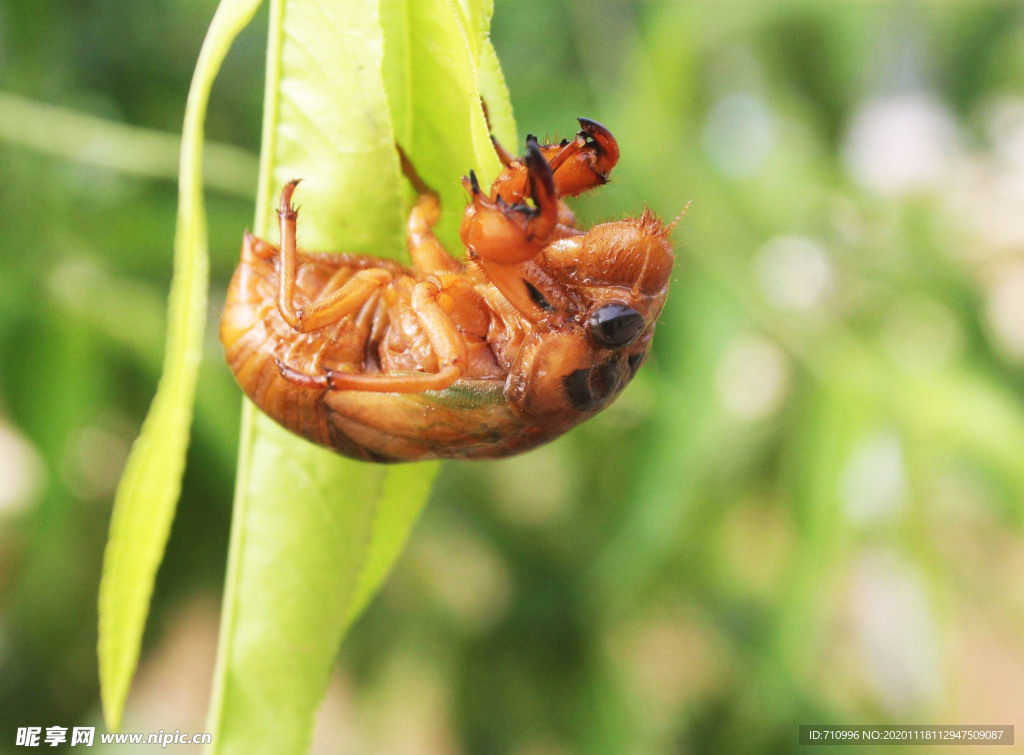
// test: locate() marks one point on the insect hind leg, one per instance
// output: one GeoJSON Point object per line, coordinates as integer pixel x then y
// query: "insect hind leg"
{"type": "Point", "coordinates": [427, 253]}
{"type": "Point", "coordinates": [352, 295]}
{"type": "Point", "coordinates": [445, 340]}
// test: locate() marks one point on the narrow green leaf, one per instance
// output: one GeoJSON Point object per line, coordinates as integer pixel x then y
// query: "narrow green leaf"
{"type": "Point", "coordinates": [432, 73]}
{"type": "Point", "coordinates": [305, 523]}
{"type": "Point", "coordinates": [401, 498]}
{"type": "Point", "coordinates": [146, 498]}
{"type": "Point", "coordinates": [315, 534]}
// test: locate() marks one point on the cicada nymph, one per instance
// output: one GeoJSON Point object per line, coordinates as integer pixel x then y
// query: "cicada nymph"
{"type": "Point", "coordinates": [539, 327]}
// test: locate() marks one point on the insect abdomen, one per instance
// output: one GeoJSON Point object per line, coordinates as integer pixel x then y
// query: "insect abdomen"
{"type": "Point", "coordinates": [256, 339]}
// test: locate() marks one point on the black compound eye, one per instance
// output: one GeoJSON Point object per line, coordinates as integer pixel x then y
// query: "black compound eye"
{"type": "Point", "coordinates": [616, 325]}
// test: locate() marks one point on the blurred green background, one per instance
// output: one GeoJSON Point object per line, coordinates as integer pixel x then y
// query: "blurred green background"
{"type": "Point", "coordinates": [806, 509]}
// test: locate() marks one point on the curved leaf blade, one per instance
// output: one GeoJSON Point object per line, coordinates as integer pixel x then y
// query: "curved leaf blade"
{"type": "Point", "coordinates": [432, 65]}
{"type": "Point", "coordinates": [149, 489]}
{"type": "Point", "coordinates": [300, 536]}
{"type": "Point", "coordinates": [314, 534]}
{"type": "Point", "coordinates": [303, 516]}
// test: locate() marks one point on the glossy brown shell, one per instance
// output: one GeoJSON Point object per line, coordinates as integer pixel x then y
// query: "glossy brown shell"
{"type": "Point", "coordinates": [537, 325]}
{"type": "Point", "coordinates": [472, 419]}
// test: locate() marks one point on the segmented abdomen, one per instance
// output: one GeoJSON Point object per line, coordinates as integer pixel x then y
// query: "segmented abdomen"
{"type": "Point", "coordinates": [472, 419]}
{"type": "Point", "coordinates": [255, 337]}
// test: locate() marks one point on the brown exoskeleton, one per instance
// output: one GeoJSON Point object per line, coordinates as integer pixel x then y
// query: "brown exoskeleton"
{"type": "Point", "coordinates": [538, 329]}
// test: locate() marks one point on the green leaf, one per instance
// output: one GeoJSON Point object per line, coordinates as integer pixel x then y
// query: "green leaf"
{"type": "Point", "coordinates": [432, 72]}
{"type": "Point", "coordinates": [146, 498]}
{"type": "Point", "coordinates": [315, 534]}
{"type": "Point", "coordinates": [496, 95]}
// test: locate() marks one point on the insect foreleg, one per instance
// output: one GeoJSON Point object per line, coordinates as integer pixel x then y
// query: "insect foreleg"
{"type": "Point", "coordinates": [586, 161]}
{"type": "Point", "coordinates": [499, 232]}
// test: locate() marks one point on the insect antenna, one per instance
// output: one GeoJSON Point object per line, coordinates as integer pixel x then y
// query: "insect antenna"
{"type": "Point", "coordinates": [672, 226]}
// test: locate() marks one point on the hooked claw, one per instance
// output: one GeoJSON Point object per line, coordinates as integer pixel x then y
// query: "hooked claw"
{"type": "Point", "coordinates": [287, 209]}
{"type": "Point", "coordinates": [471, 183]}
{"type": "Point", "coordinates": [578, 165]}
{"type": "Point", "coordinates": [586, 161]}
{"type": "Point", "coordinates": [607, 152]}
{"type": "Point", "coordinates": [496, 231]}
{"type": "Point", "coordinates": [542, 189]}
